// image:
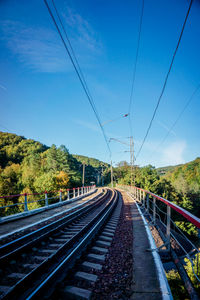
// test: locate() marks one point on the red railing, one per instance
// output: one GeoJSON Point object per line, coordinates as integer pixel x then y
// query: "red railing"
{"type": "Point", "coordinates": [186, 214]}
{"type": "Point", "coordinates": [45, 192]}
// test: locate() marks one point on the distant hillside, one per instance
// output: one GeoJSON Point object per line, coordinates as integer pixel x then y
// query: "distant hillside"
{"type": "Point", "coordinates": [164, 170]}
{"type": "Point", "coordinates": [14, 148]}
{"type": "Point", "coordinates": [29, 166]}
{"type": "Point", "coordinates": [186, 177]}
{"type": "Point", "coordinates": [91, 161]}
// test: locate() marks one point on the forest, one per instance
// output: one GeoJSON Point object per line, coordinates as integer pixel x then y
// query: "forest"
{"type": "Point", "coordinates": [27, 166]}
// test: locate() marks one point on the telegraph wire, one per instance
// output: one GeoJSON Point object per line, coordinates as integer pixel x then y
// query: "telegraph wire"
{"type": "Point", "coordinates": [71, 48]}
{"type": "Point", "coordinates": [135, 67]}
{"type": "Point", "coordinates": [166, 79]}
{"type": "Point", "coordinates": [85, 88]}
{"type": "Point", "coordinates": [178, 118]}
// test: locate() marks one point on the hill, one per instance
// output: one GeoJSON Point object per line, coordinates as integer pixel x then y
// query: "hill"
{"type": "Point", "coordinates": [164, 170]}
{"type": "Point", "coordinates": [29, 166]}
{"type": "Point", "coordinates": [95, 163]}
{"type": "Point", "coordinates": [186, 177]}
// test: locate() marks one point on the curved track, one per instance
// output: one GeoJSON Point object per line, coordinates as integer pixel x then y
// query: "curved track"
{"type": "Point", "coordinates": [35, 261]}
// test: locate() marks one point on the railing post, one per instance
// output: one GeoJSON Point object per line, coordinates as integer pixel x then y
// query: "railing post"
{"type": "Point", "coordinates": [46, 199]}
{"type": "Point", "coordinates": [168, 226]}
{"type": "Point", "coordinates": [60, 200]}
{"type": "Point", "coordinates": [68, 196]}
{"type": "Point", "coordinates": [147, 198]}
{"type": "Point", "coordinates": [143, 197]}
{"type": "Point", "coordinates": [25, 202]}
{"type": "Point", "coordinates": [82, 191]}
{"type": "Point", "coordinates": [154, 210]}
{"type": "Point", "coordinates": [74, 193]}
{"type": "Point", "coordinates": [78, 192]}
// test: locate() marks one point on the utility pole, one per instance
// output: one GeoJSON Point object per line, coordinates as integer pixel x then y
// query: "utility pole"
{"type": "Point", "coordinates": [83, 176]}
{"type": "Point", "coordinates": [132, 160]}
{"type": "Point", "coordinates": [102, 181]}
{"type": "Point", "coordinates": [111, 174]}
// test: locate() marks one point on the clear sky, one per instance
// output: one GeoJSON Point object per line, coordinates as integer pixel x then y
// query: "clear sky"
{"type": "Point", "coordinates": [41, 97]}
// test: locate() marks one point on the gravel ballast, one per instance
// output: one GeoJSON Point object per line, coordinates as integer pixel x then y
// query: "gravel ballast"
{"type": "Point", "coordinates": [115, 279]}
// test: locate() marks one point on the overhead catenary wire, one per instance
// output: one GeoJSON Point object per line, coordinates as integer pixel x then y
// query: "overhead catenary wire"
{"type": "Point", "coordinates": [71, 48]}
{"type": "Point", "coordinates": [166, 79]}
{"type": "Point", "coordinates": [178, 118]}
{"type": "Point", "coordinates": [135, 67]}
{"type": "Point", "coordinates": [79, 74]}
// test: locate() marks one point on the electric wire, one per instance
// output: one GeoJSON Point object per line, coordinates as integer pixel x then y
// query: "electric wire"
{"type": "Point", "coordinates": [82, 81]}
{"type": "Point", "coordinates": [178, 118]}
{"type": "Point", "coordinates": [71, 48]}
{"type": "Point", "coordinates": [166, 79]}
{"type": "Point", "coordinates": [135, 67]}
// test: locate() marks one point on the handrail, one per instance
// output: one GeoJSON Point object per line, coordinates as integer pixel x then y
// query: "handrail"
{"type": "Point", "coordinates": [186, 248]}
{"type": "Point", "coordinates": [45, 192]}
{"type": "Point", "coordinates": [62, 196]}
{"type": "Point", "coordinates": [186, 214]}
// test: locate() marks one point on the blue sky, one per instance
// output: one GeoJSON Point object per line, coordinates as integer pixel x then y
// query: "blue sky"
{"type": "Point", "coordinates": [41, 97]}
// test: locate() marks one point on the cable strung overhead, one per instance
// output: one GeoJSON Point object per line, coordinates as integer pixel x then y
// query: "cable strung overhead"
{"type": "Point", "coordinates": [179, 116]}
{"type": "Point", "coordinates": [166, 79]}
{"type": "Point", "coordinates": [135, 67]}
{"type": "Point", "coordinates": [77, 68]}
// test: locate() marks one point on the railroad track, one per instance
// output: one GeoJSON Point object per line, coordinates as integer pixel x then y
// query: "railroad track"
{"type": "Point", "coordinates": [32, 227]}
{"type": "Point", "coordinates": [35, 262]}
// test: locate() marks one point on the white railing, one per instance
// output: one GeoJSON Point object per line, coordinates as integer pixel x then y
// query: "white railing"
{"type": "Point", "coordinates": [24, 202]}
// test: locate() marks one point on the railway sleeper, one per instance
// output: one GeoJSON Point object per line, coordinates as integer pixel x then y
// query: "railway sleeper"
{"type": "Point", "coordinates": [80, 287]}
{"type": "Point", "coordinates": [57, 242]}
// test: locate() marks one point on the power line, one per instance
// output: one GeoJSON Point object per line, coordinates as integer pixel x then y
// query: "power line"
{"type": "Point", "coordinates": [135, 66]}
{"type": "Point", "coordinates": [166, 79]}
{"type": "Point", "coordinates": [71, 48]}
{"type": "Point", "coordinates": [179, 116]}
{"type": "Point", "coordinates": [80, 75]}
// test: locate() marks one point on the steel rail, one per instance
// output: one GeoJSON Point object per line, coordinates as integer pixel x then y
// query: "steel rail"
{"type": "Point", "coordinates": [21, 244]}
{"type": "Point", "coordinates": [47, 273]}
{"type": "Point", "coordinates": [69, 261]}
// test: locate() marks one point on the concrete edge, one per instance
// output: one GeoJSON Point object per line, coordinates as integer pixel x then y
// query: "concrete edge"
{"type": "Point", "coordinates": [164, 285]}
{"type": "Point", "coordinates": [21, 215]}
{"type": "Point", "coordinates": [46, 219]}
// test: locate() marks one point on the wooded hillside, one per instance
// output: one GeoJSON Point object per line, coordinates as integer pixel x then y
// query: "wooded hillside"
{"type": "Point", "coordinates": [29, 166]}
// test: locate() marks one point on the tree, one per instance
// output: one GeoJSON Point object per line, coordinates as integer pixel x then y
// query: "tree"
{"type": "Point", "coordinates": [62, 180]}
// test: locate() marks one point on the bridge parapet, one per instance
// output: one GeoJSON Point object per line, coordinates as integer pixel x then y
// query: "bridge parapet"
{"type": "Point", "coordinates": [160, 212]}
{"type": "Point", "coordinates": [24, 203]}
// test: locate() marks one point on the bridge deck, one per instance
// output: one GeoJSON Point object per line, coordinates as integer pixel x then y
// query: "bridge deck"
{"type": "Point", "coordinates": [31, 220]}
{"type": "Point", "coordinates": [147, 277]}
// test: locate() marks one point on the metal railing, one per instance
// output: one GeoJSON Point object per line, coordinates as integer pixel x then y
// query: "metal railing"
{"type": "Point", "coordinates": [160, 211]}
{"type": "Point", "coordinates": [24, 202]}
